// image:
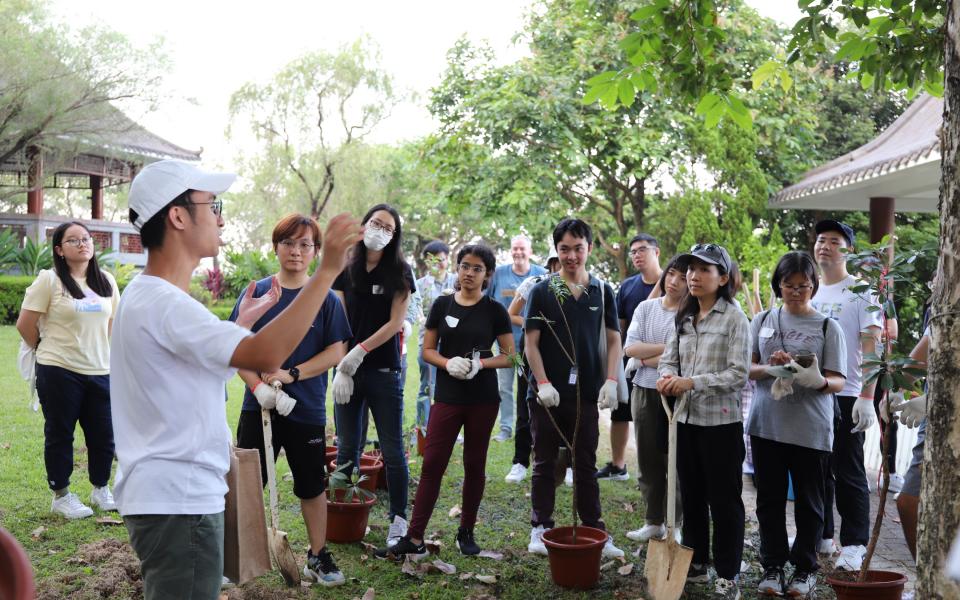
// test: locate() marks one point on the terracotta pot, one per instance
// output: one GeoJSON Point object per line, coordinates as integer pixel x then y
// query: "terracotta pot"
{"type": "Point", "coordinates": [331, 455]}
{"type": "Point", "coordinates": [577, 565]}
{"type": "Point", "coordinates": [880, 585]}
{"type": "Point", "coordinates": [347, 521]}
{"type": "Point", "coordinates": [382, 473]}
{"type": "Point", "coordinates": [16, 574]}
{"type": "Point", "coordinates": [369, 466]}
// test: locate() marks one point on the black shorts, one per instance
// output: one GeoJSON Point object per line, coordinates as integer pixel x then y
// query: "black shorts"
{"type": "Point", "coordinates": [622, 413]}
{"type": "Point", "coordinates": [304, 444]}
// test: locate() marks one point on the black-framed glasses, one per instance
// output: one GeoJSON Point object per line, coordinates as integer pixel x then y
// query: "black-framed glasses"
{"type": "Point", "coordinates": [796, 289]}
{"type": "Point", "coordinates": [304, 246]}
{"type": "Point", "coordinates": [466, 267]}
{"type": "Point", "coordinates": [215, 205]}
{"type": "Point", "coordinates": [378, 226]}
{"type": "Point", "coordinates": [640, 250]}
{"type": "Point", "coordinates": [77, 242]}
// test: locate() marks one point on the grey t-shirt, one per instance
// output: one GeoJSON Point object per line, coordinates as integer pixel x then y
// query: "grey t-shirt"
{"type": "Point", "coordinates": [805, 417]}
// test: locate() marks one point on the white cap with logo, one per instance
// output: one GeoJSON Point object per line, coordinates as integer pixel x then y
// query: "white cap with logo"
{"type": "Point", "coordinates": [161, 182]}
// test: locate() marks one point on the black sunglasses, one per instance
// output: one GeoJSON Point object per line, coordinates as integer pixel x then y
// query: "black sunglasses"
{"type": "Point", "coordinates": [715, 251]}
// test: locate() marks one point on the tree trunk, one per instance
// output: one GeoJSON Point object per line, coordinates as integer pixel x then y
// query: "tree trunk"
{"type": "Point", "coordinates": [940, 512]}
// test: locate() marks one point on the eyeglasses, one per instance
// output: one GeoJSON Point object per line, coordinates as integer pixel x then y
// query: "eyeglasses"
{"type": "Point", "coordinates": [378, 226]}
{"type": "Point", "coordinates": [77, 242]}
{"type": "Point", "coordinates": [466, 268]}
{"type": "Point", "coordinates": [215, 205]}
{"type": "Point", "coordinates": [640, 250]}
{"type": "Point", "coordinates": [291, 244]}
{"type": "Point", "coordinates": [796, 289]}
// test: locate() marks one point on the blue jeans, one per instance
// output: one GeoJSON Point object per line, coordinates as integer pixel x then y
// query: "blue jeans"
{"type": "Point", "coordinates": [428, 381]}
{"type": "Point", "coordinates": [380, 391]}
{"type": "Point", "coordinates": [505, 384]}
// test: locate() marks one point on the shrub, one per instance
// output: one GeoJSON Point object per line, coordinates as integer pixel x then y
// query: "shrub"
{"type": "Point", "coordinates": [223, 308]}
{"type": "Point", "coordinates": [247, 266]}
{"type": "Point", "coordinates": [215, 283]}
{"type": "Point", "coordinates": [12, 288]}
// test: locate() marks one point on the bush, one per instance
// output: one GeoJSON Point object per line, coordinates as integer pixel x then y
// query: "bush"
{"type": "Point", "coordinates": [12, 289]}
{"type": "Point", "coordinates": [223, 308]}
{"type": "Point", "coordinates": [244, 267]}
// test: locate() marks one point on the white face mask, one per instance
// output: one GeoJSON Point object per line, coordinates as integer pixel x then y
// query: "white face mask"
{"type": "Point", "coordinates": [376, 240]}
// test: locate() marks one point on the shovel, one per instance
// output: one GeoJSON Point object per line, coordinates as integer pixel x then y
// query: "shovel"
{"type": "Point", "coordinates": [667, 560]}
{"type": "Point", "coordinates": [279, 546]}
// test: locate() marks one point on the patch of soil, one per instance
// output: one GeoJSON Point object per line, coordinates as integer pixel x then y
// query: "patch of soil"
{"type": "Point", "coordinates": [108, 569]}
{"type": "Point", "coordinates": [255, 590]}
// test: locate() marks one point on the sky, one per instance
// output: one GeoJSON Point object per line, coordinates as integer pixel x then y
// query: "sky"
{"type": "Point", "coordinates": [216, 46]}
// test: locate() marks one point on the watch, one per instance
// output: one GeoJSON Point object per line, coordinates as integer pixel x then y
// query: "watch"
{"type": "Point", "coordinates": [295, 373]}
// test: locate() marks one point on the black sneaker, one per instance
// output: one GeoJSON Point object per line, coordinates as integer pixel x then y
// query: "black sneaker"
{"type": "Point", "coordinates": [772, 582]}
{"type": "Point", "coordinates": [613, 472]}
{"type": "Point", "coordinates": [321, 568]}
{"type": "Point", "coordinates": [401, 549]}
{"type": "Point", "coordinates": [465, 542]}
{"type": "Point", "coordinates": [698, 573]}
{"type": "Point", "coordinates": [802, 584]}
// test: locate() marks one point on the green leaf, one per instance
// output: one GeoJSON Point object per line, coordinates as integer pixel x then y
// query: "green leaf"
{"type": "Point", "coordinates": [626, 92]}
{"type": "Point", "coordinates": [786, 82]}
{"type": "Point", "coordinates": [763, 73]}
{"type": "Point", "coordinates": [866, 80]}
{"type": "Point", "coordinates": [852, 48]}
{"type": "Point", "coordinates": [594, 93]}
{"type": "Point", "coordinates": [739, 113]}
{"type": "Point", "coordinates": [644, 13]}
{"type": "Point", "coordinates": [608, 99]}
{"type": "Point", "coordinates": [934, 88]}
{"type": "Point", "coordinates": [601, 78]}
{"type": "Point", "coordinates": [708, 103]}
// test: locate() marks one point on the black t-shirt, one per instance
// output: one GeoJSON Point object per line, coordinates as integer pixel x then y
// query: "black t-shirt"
{"type": "Point", "coordinates": [368, 308]}
{"type": "Point", "coordinates": [583, 315]}
{"type": "Point", "coordinates": [460, 331]}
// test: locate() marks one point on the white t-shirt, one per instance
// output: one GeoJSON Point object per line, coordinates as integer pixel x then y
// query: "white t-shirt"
{"type": "Point", "coordinates": [170, 361]}
{"type": "Point", "coordinates": [653, 324]}
{"type": "Point", "coordinates": [850, 311]}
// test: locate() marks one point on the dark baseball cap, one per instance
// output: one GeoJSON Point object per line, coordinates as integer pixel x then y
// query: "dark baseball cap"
{"type": "Point", "coordinates": [831, 225]}
{"type": "Point", "coordinates": [713, 254]}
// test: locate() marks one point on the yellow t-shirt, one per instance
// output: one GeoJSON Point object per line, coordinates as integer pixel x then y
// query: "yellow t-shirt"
{"type": "Point", "coordinates": [74, 333]}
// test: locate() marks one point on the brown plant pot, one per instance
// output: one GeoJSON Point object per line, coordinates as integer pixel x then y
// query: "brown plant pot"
{"type": "Point", "coordinates": [880, 585]}
{"type": "Point", "coordinates": [575, 566]}
{"type": "Point", "coordinates": [382, 473]}
{"type": "Point", "coordinates": [331, 455]}
{"type": "Point", "coordinates": [369, 466]}
{"type": "Point", "coordinates": [347, 521]}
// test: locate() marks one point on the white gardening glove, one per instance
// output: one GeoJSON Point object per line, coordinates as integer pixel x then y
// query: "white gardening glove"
{"type": "Point", "coordinates": [407, 329]}
{"type": "Point", "coordinates": [809, 377]}
{"type": "Point", "coordinates": [780, 371]}
{"type": "Point", "coordinates": [351, 362]}
{"type": "Point", "coordinates": [781, 388]}
{"type": "Point", "coordinates": [475, 366]}
{"type": "Point", "coordinates": [342, 387]}
{"type": "Point", "coordinates": [862, 415]}
{"type": "Point", "coordinates": [458, 367]}
{"type": "Point", "coordinates": [888, 406]}
{"type": "Point", "coordinates": [608, 395]}
{"type": "Point", "coordinates": [632, 365]}
{"type": "Point", "coordinates": [911, 411]}
{"type": "Point", "coordinates": [285, 403]}
{"type": "Point", "coordinates": [547, 395]}
{"type": "Point", "coordinates": [266, 395]}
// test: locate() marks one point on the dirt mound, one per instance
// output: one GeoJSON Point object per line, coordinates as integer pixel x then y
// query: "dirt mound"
{"type": "Point", "coordinates": [105, 569]}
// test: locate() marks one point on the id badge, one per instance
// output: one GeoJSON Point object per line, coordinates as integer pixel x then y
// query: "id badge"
{"type": "Point", "coordinates": [452, 321]}
{"type": "Point", "coordinates": [766, 332]}
{"type": "Point", "coordinates": [572, 380]}
{"type": "Point", "coordinates": [376, 290]}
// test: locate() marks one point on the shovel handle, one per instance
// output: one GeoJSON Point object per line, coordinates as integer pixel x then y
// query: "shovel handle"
{"type": "Point", "coordinates": [672, 463]}
{"type": "Point", "coordinates": [271, 469]}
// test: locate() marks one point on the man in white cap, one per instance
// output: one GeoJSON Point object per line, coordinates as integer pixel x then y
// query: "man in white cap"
{"type": "Point", "coordinates": [170, 361]}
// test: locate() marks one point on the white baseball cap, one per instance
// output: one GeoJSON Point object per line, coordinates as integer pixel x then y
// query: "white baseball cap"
{"type": "Point", "coordinates": [161, 182]}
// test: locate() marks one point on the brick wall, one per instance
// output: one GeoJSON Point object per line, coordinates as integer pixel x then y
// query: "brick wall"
{"type": "Point", "coordinates": [130, 243]}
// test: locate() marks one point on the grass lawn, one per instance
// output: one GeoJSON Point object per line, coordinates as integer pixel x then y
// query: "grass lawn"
{"type": "Point", "coordinates": [81, 559]}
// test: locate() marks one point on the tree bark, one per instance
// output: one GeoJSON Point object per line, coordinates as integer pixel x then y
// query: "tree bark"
{"type": "Point", "coordinates": [940, 512]}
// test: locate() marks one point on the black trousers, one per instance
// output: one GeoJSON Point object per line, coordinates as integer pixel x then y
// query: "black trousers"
{"type": "Point", "coordinates": [68, 398]}
{"type": "Point", "coordinates": [709, 466]}
{"type": "Point", "coordinates": [522, 440]}
{"type": "Point", "coordinates": [772, 461]}
{"type": "Point", "coordinates": [846, 481]}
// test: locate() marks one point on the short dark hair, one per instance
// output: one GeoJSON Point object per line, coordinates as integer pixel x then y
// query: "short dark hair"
{"type": "Point", "coordinates": [792, 263]}
{"type": "Point", "coordinates": [644, 237]}
{"type": "Point", "coordinates": [575, 227]}
{"type": "Point", "coordinates": [436, 247]}
{"type": "Point", "coordinates": [485, 254]}
{"type": "Point", "coordinates": [154, 230]}
{"type": "Point", "coordinates": [289, 225]}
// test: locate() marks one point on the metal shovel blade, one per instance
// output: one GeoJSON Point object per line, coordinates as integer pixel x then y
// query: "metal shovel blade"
{"type": "Point", "coordinates": [283, 556]}
{"type": "Point", "coordinates": [666, 568]}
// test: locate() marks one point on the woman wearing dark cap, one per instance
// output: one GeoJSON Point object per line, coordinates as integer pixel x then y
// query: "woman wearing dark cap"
{"type": "Point", "coordinates": [706, 361]}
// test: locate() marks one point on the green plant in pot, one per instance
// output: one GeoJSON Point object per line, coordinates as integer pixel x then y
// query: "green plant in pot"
{"type": "Point", "coordinates": [879, 268]}
{"type": "Point", "coordinates": [348, 505]}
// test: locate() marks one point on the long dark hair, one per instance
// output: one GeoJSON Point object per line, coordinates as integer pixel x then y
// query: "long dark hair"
{"type": "Point", "coordinates": [392, 260]}
{"type": "Point", "coordinates": [677, 263]}
{"type": "Point", "coordinates": [690, 305]}
{"type": "Point", "coordinates": [96, 280]}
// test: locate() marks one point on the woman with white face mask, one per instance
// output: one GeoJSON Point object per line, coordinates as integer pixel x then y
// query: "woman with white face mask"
{"type": "Point", "coordinates": [375, 289]}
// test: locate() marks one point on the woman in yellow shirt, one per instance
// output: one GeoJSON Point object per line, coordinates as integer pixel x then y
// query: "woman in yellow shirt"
{"type": "Point", "coordinates": [66, 316]}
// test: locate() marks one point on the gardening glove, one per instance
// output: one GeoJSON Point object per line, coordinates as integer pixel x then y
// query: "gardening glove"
{"type": "Point", "coordinates": [911, 411]}
{"type": "Point", "coordinates": [781, 388]}
{"type": "Point", "coordinates": [887, 406]}
{"type": "Point", "coordinates": [351, 362]}
{"type": "Point", "coordinates": [285, 403]}
{"type": "Point", "coordinates": [342, 387]}
{"type": "Point", "coordinates": [547, 395]}
{"type": "Point", "coordinates": [475, 365]}
{"type": "Point", "coordinates": [780, 371]}
{"type": "Point", "coordinates": [608, 395]}
{"type": "Point", "coordinates": [862, 415]}
{"type": "Point", "coordinates": [407, 330]}
{"type": "Point", "coordinates": [632, 365]}
{"type": "Point", "coordinates": [266, 395]}
{"type": "Point", "coordinates": [809, 377]}
{"type": "Point", "coordinates": [458, 367]}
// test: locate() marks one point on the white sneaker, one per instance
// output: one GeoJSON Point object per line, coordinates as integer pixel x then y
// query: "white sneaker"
{"type": "Point", "coordinates": [517, 473]}
{"type": "Point", "coordinates": [70, 506]}
{"type": "Point", "coordinates": [102, 498]}
{"type": "Point", "coordinates": [647, 533]}
{"type": "Point", "coordinates": [536, 545]}
{"type": "Point", "coordinates": [611, 551]}
{"type": "Point", "coordinates": [397, 530]}
{"type": "Point", "coordinates": [851, 558]}
{"type": "Point", "coordinates": [568, 478]}
{"type": "Point", "coordinates": [896, 483]}
{"type": "Point", "coordinates": [826, 547]}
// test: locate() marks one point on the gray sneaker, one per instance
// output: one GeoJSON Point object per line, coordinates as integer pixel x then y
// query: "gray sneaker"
{"type": "Point", "coordinates": [771, 583]}
{"type": "Point", "coordinates": [726, 589]}
{"type": "Point", "coordinates": [503, 436]}
{"type": "Point", "coordinates": [802, 583]}
{"type": "Point", "coordinates": [321, 568]}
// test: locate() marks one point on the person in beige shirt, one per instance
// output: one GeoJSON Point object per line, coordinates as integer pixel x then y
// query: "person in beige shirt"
{"type": "Point", "coordinates": [66, 317]}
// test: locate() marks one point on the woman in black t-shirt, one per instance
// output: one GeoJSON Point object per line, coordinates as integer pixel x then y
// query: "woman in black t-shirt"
{"type": "Point", "coordinates": [460, 331]}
